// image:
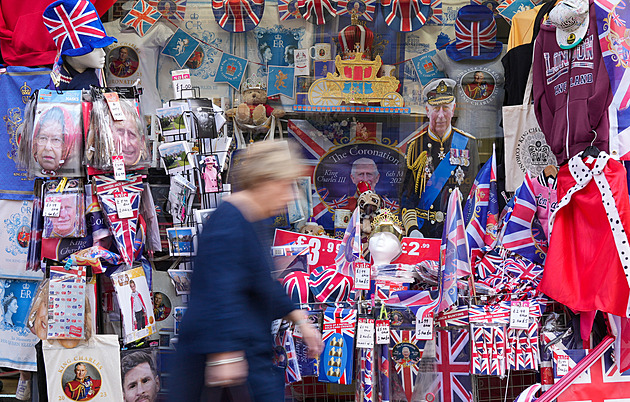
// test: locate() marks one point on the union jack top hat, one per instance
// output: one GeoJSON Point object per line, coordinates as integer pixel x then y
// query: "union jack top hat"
{"type": "Point", "coordinates": [75, 27]}
{"type": "Point", "coordinates": [475, 35]}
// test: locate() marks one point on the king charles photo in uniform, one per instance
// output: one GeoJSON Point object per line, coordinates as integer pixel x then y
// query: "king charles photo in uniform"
{"type": "Point", "coordinates": [438, 160]}
{"type": "Point", "coordinates": [82, 387]}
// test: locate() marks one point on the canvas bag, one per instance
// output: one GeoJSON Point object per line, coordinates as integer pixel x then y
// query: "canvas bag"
{"type": "Point", "coordinates": [101, 358]}
{"type": "Point", "coordinates": [525, 146]}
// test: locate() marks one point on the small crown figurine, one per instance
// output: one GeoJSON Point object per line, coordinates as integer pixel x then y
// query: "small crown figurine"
{"type": "Point", "coordinates": [254, 82]}
{"type": "Point", "coordinates": [386, 221]}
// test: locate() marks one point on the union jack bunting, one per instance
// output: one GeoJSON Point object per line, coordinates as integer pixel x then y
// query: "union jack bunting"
{"type": "Point", "coordinates": [238, 15]}
{"type": "Point", "coordinates": [475, 39]}
{"type": "Point", "coordinates": [336, 361]}
{"type": "Point", "coordinates": [296, 284]}
{"type": "Point", "coordinates": [406, 15]}
{"type": "Point", "coordinates": [106, 184]}
{"type": "Point", "coordinates": [421, 302]}
{"type": "Point", "coordinates": [346, 8]}
{"type": "Point", "coordinates": [350, 248]}
{"type": "Point", "coordinates": [288, 10]}
{"type": "Point", "coordinates": [176, 11]}
{"type": "Point", "coordinates": [488, 265]}
{"type": "Point", "coordinates": [523, 270]}
{"type": "Point", "coordinates": [436, 11]}
{"type": "Point", "coordinates": [456, 260]}
{"type": "Point", "coordinates": [519, 234]}
{"type": "Point", "coordinates": [124, 230]}
{"type": "Point", "coordinates": [532, 336]}
{"type": "Point", "coordinates": [453, 382]}
{"type": "Point", "coordinates": [481, 212]}
{"type": "Point", "coordinates": [318, 11]}
{"type": "Point", "coordinates": [456, 316]}
{"type": "Point", "coordinates": [142, 17]}
{"type": "Point", "coordinates": [392, 205]}
{"type": "Point", "coordinates": [406, 362]}
{"type": "Point", "coordinates": [478, 347]}
{"type": "Point", "coordinates": [329, 286]}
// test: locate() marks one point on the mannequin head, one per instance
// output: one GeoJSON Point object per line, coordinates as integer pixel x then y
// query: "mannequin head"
{"type": "Point", "coordinates": [384, 247]}
{"type": "Point", "coordinates": [94, 59]}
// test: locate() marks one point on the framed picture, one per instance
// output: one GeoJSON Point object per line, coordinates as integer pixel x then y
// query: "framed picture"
{"type": "Point", "coordinates": [182, 241]}
{"type": "Point", "coordinates": [178, 314]}
{"type": "Point", "coordinates": [181, 280]}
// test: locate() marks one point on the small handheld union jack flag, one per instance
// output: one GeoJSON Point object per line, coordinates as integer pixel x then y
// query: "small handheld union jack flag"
{"type": "Point", "coordinates": [406, 15]}
{"type": "Point", "coordinates": [238, 15]}
{"type": "Point", "coordinates": [318, 11]}
{"type": "Point", "coordinates": [142, 17]}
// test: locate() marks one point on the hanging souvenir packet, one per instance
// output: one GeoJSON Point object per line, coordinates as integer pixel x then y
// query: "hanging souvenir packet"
{"type": "Point", "coordinates": [66, 303]}
{"type": "Point", "coordinates": [338, 335]}
{"type": "Point", "coordinates": [406, 351]}
{"type": "Point", "coordinates": [56, 135]}
{"type": "Point", "coordinates": [285, 356]}
{"type": "Point", "coordinates": [64, 209]}
{"type": "Point", "coordinates": [116, 133]}
{"type": "Point", "coordinates": [308, 366]}
{"type": "Point", "coordinates": [136, 306]}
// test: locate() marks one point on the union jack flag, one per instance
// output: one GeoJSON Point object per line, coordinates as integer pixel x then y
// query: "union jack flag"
{"type": "Point", "coordinates": [367, 374]}
{"type": "Point", "coordinates": [488, 265]}
{"type": "Point", "coordinates": [383, 369]}
{"type": "Point", "coordinates": [453, 382]}
{"type": "Point", "coordinates": [436, 11]}
{"type": "Point", "coordinates": [406, 15]}
{"type": "Point", "coordinates": [406, 367]}
{"type": "Point", "coordinates": [328, 285]}
{"type": "Point", "coordinates": [481, 211]}
{"type": "Point", "coordinates": [478, 347]}
{"type": "Point", "coordinates": [292, 371]}
{"type": "Point", "coordinates": [338, 335]}
{"type": "Point", "coordinates": [518, 234]}
{"type": "Point", "coordinates": [345, 7]}
{"type": "Point", "coordinates": [296, 284]}
{"type": "Point", "coordinates": [452, 317]}
{"type": "Point", "coordinates": [532, 336]}
{"type": "Point", "coordinates": [392, 205]}
{"type": "Point", "coordinates": [340, 202]}
{"type": "Point", "coordinates": [142, 17]}
{"type": "Point", "coordinates": [350, 248]}
{"type": "Point", "coordinates": [106, 184]}
{"type": "Point", "coordinates": [473, 38]}
{"type": "Point", "coordinates": [70, 29]}
{"type": "Point", "coordinates": [421, 302]}
{"type": "Point", "coordinates": [523, 270]}
{"type": "Point", "coordinates": [238, 15]}
{"type": "Point", "coordinates": [318, 11]}
{"type": "Point", "coordinates": [178, 14]}
{"type": "Point", "coordinates": [288, 10]}
{"type": "Point", "coordinates": [124, 230]}
{"type": "Point", "coordinates": [456, 255]}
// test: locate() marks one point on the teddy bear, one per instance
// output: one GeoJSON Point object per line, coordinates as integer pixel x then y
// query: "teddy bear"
{"type": "Point", "coordinates": [253, 110]}
{"type": "Point", "coordinates": [312, 228]}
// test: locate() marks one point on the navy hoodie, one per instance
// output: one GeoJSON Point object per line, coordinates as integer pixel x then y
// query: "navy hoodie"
{"type": "Point", "coordinates": [571, 92]}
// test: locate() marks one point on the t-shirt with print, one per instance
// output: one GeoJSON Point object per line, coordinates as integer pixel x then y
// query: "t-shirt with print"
{"type": "Point", "coordinates": [136, 57]}
{"type": "Point", "coordinates": [478, 100]}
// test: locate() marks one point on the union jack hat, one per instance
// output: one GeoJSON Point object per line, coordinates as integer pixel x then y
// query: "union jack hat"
{"type": "Point", "coordinates": [475, 35]}
{"type": "Point", "coordinates": [296, 284]}
{"type": "Point", "coordinates": [330, 286]}
{"type": "Point", "coordinates": [75, 27]}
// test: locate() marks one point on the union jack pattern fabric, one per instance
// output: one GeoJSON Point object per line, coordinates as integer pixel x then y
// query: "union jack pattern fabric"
{"type": "Point", "coordinates": [292, 371]}
{"type": "Point", "coordinates": [124, 230]}
{"type": "Point", "coordinates": [519, 233]}
{"type": "Point", "coordinates": [296, 284]}
{"type": "Point", "coordinates": [367, 375]}
{"type": "Point", "coordinates": [177, 14]}
{"type": "Point", "coordinates": [488, 265]}
{"type": "Point", "coordinates": [238, 15]}
{"type": "Point", "coordinates": [453, 382]}
{"type": "Point", "coordinates": [421, 302]}
{"type": "Point", "coordinates": [350, 248]}
{"type": "Point", "coordinates": [456, 316]}
{"type": "Point", "coordinates": [456, 260]}
{"type": "Point", "coordinates": [345, 8]}
{"type": "Point", "coordinates": [328, 286]}
{"type": "Point", "coordinates": [406, 15]}
{"type": "Point", "coordinates": [529, 395]}
{"type": "Point", "coordinates": [288, 10]}
{"type": "Point", "coordinates": [338, 332]}
{"type": "Point", "coordinates": [473, 38]}
{"type": "Point", "coordinates": [481, 211]}
{"type": "Point", "coordinates": [106, 184]}
{"type": "Point", "coordinates": [142, 17]}
{"type": "Point", "coordinates": [406, 368]}
{"type": "Point", "coordinates": [383, 369]}
{"type": "Point", "coordinates": [436, 11]}
{"type": "Point", "coordinates": [318, 11]}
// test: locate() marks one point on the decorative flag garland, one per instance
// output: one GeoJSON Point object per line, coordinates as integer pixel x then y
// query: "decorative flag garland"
{"type": "Point", "coordinates": [142, 17]}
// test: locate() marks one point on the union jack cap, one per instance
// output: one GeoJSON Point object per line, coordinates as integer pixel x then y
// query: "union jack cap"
{"type": "Point", "coordinates": [75, 27]}
{"type": "Point", "coordinates": [475, 35]}
{"type": "Point", "coordinates": [330, 286]}
{"type": "Point", "coordinates": [296, 284]}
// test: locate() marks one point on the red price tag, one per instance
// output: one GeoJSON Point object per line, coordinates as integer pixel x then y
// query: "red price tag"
{"type": "Point", "coordinates": [322, 250]}
{"type": "Point", "coordinates": [415, 251]}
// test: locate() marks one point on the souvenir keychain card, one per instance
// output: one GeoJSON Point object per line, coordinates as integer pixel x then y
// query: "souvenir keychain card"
{"type": "Point", "coordinates": [66, 303]}
{"type": "Point", "coordinates": [135, 304]}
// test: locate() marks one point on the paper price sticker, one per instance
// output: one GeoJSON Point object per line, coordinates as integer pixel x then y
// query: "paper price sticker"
{"type": "Point", "coordinates": [362, 273]}
{"type": "Point", "coordinates": [519, 314]}
{"type": "Point", "coordinates": [118, 161]}
{"type": "Point", "coordinates": [123, 205]}
{"type": "Point", "coordinates": [114, 106]}
{"type": "Point", "coordinates": [382, 332]}
{"type": "Point", "coordinates": [52, 209]}
{"type": "Point", "coordinates": [424, 328]}
{"type": "Point", "coordinates": [562, 365]}
{"type": "Point", "coordinates": [365, 333]}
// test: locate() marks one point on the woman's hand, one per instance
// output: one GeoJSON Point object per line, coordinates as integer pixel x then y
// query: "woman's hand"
{"type": "Point", "coordinates": [226, 369]}
{"type": "Point", "coordinates": [313, 339]}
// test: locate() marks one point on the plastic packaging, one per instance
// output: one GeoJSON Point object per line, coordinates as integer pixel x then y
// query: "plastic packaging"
{"type": "Point", "coordinates": [64, 209]}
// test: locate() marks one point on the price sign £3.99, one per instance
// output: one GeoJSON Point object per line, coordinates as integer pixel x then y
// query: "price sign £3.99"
{"type": "Point", "coordinates": [322, 250]}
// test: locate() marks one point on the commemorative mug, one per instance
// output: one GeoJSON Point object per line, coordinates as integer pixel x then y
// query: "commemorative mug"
{"type": "Point", "coordinates": [320, 52]}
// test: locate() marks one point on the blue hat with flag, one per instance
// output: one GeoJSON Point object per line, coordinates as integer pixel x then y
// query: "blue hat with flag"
{"type": "Point", "coordinates": [475, 35]}
{"type": "Point", "coordinates": [75, 27]}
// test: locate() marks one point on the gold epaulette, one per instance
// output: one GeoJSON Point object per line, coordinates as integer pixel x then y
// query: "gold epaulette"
{"type": "Point", "coordinates": [465, 134]}
{"type": "Point", "coordinates": [416, 164]}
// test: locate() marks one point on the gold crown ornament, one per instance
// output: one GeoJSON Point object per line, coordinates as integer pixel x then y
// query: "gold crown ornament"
{"type": "Point", "coordinates": [385, 221]}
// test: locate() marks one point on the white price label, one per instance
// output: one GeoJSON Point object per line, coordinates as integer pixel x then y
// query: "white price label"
{"type": "Point", "coordinates": [365, 333]}
{"type": "Point", "coordinates": [118, 161]}
{"type": "Point", "coordinates": [424, 328]}
{"type": "Point", "coordinates": [52, 209]}
{"type": "Point", "coordinates": [519, 315]}
{"type": "Point", "coordinates": [362, 272]}
{"type": "Point", "coordinates": [562, 365]}
{"type": "Point", "coordinates": [123, 205]}
{"type": "Point", "coordinates": [382, 332]}
{"type": "Point", "coordinates": [113, 101]}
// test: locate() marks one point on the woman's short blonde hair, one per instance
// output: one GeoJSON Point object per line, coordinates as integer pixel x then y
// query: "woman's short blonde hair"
{"type": "Point", "coordinates": [266, 161]}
